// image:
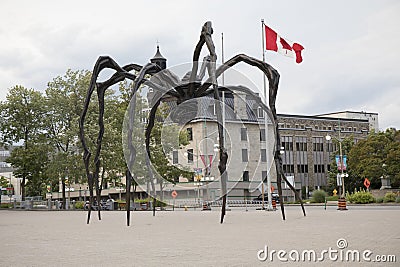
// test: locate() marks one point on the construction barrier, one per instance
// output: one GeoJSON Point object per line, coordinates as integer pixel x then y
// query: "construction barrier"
{"type": "Point", "coordinates": [274, 204]}
{"type": "Point", "coordinates": [342, 204]}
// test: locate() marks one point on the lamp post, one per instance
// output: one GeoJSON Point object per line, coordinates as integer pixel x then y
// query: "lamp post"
{"type": "Point", "coordinates": [198, 184]}
{"type": "Point", "coordinates": [342, 199]}
{"type": "Point", "coordinates": [69, 192]}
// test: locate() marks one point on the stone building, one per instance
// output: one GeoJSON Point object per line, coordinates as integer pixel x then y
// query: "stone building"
{"type": "Point", "coordinates": [249, 138]}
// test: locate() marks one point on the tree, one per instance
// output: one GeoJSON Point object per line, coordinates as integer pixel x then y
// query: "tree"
{"type": "Point", "coordinates": [22, 119]}
{"type": "Point", "coordinates": [64, 98]}
{"type": "Point", "coordinates": [376, 156]}
{"type": "Point", "coordinates": [4, 182]}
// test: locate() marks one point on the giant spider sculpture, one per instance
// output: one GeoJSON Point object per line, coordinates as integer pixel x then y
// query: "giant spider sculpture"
{"type": "Point", "coordinates": [190, 87]}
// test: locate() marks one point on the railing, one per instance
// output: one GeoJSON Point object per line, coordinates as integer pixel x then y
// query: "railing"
{"type": "Point", "coordinates": [218, 203]}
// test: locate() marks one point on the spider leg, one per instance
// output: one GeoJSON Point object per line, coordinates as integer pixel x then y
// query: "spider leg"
{"type": "Point", "coordinates": [273, 78]}
{"type": "Point", "coordinates": [223, 155]}
{"type": "Point", "coordinates": [101, 63]}
{"type": "Point", "coordinates": [205, 38]}
{"type": "Point", "coordinates": [149, 68]}
{"type": "Point", "coordinates": [211, 67]}
{"type": "Point", "coordinates": [149, 127]}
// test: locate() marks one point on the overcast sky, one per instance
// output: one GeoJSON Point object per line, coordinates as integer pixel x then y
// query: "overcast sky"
{"type": "Point", "coordinates": [351, 54]}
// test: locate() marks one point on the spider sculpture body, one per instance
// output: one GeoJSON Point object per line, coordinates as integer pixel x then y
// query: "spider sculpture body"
{"type": "Point", "coordinates": [190, 87]}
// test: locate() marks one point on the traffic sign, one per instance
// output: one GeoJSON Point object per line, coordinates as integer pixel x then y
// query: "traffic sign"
{"type": "Point", "coordinates": [174, 194]}
{"type": "Point", "coordinates": [367, 183]}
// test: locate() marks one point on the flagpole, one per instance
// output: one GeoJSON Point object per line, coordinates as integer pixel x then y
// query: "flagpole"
{"type": "Point", "coordinates": [223, 84]}
{"type": "Point", "coordinates": [223, 101]}
{"type": "Point", "coordinates": [269, 193]}
{"type": "Point", "coordinates": [263, 56]}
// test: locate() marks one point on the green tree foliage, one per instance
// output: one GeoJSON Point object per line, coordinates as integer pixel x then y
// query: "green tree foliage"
{"type": "Point", "coordinates": [376, 156]}
{"type": "Point", "coordinates": [64, 98]}
{"type": "Point", "coordinates": [4, 182]}
{"type": "Point", "coordinates": [163, 141]}
{"type": "Point", "coordinates": [22, 114]}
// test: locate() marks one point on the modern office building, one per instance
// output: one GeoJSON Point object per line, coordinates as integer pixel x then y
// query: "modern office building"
{"type": "Point", "coordinates": [306, 153]}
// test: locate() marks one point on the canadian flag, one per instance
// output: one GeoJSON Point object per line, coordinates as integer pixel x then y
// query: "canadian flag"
{"type": "Point", "coordinates": [283, 46]}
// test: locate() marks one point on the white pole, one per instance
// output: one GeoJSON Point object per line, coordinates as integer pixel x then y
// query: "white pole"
{"type": "Point", "coordinates": [223, 83]}
{"type": "Point", "coordinates": [223, 101]}
{"type": "Point", "coordinates": [269, 208]}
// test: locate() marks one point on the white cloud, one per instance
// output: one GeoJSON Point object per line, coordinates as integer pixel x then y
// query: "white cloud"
{"type": "Point", "coordinates": [350, 57]}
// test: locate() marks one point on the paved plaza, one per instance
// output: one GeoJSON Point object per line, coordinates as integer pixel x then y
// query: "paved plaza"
{"type": "Point", "coordinates": [196, 238]}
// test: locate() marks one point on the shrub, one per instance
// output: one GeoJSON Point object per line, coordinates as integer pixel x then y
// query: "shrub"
{"type": "Point", "coordinates": [332, 198]}
{"type": "Point", "coordinates": [389, 197]}
{"type": "Point", "coordinates": [379, 200]}
{"type": "Point", "coordinates": [6, 205]}
{"type": "Point", "coordinates": [397, 199]}
{"type": "Point", "coordinates": [319, 196]}
{"type": "Point", "coordinates": [360, 197]}
{"type": "Point", "coordinates": [146, 200]}
{"type": "Point", "coordinates": [79, 205]}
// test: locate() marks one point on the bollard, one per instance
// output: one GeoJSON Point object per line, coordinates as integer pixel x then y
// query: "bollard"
{"type": "Point", "coordinates": [186, 208]}
{"type": "Point", "coordinates": [274, 204]}
{"type": "Point", "coordinates": [342, 204]}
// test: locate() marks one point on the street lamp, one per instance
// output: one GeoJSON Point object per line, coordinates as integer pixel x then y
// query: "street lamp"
{"type": "Point", "coordinates": [342, 174]}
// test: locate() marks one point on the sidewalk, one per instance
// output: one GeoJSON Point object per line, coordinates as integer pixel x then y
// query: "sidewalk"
{"type": "Point", "coordinates": [193, 238]}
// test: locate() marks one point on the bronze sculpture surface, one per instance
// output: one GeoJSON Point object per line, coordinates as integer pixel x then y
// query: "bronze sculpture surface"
{"type": "Point", "coordinates": [190, 87]}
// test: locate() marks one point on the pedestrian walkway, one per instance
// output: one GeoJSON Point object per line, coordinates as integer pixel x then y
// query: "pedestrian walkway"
{"type": "Point", "coordinates": [192, 238]}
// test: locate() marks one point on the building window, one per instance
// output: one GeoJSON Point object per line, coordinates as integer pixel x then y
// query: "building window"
{"type": "Point", "coordinates": [190, 155]}
{"type": "Point", "coordinates": [243, 134]}
{"type": "Point", "coordinates": [302, 168]}
{"type": "Point", "coordinates": [175, 157]}
{"type": "Point", "coordinates": [190, 133]}
{"type": "Point", "coordinates": [287, 143]}
{"type": "Point", "coordinates": [260, 112]}
{"type": "Point", "coordinates": [288, 168]}
{"type": "Point", "coordinates": [245, 157]}
{"type": "Point", "coordinates": [245, 176]}
{"type": "Point", "coordinates": [264, 176]}
{"type": "Point", "coordinates": [263, 155]}
{"type": "Point", "coordinates": [318, 144]}
{"type": "Point", "coordinates": [319, 168]}
{"type": "Point", "coordinates": [263, 137]}
{"type": "Point", "coordinates": [143, 118]}
{"type": "Point", "coordinates": [4, 153]}
{"type": "Point", "coordinates": [301, 143]}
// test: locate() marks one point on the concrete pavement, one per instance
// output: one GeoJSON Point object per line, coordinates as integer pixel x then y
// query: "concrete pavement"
{"type": "Point", "coordinates": [196, 238]}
